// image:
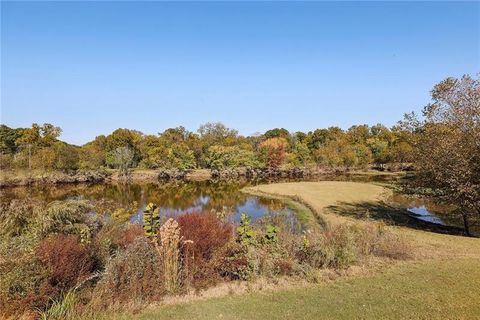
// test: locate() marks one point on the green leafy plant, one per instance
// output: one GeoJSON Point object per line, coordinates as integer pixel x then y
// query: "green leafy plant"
{"type": "Point", "coordinates": [245, 231]}
{"type": "Point", "coordinates": [271, 234]}
{"type": "Point", "coordinates": [151, 219]}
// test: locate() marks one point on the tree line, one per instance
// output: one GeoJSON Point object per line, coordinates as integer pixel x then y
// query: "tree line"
{"type": "Point", "coordinates": [212, 146]}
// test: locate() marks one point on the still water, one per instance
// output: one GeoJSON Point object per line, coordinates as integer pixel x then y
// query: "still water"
{"type": "Point", "coordinates": [176, 197]}
{"type": "Point", "coordinates": [173, 198]}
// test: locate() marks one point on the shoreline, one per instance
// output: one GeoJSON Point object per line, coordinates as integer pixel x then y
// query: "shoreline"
{"type": "Point", "coordinates": [9, 179]}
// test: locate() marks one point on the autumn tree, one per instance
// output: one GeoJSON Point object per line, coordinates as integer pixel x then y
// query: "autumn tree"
{"type": "Point", "coordinates": [216, 133]}
{"type": "Point", "coordinates": [448, 146]}
{"type": "Point", "coordinates": [274, 152]}
{"type": "Point", "coordinates": [405, 135]}
{"type": "Point", "coordinates": [92, 155]}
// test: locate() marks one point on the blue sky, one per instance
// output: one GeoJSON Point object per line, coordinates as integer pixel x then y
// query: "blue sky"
{"type": "Point", "coordinates": [92, 67]}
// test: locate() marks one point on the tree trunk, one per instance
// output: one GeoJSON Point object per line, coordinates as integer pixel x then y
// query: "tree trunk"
{"type": "Point", "coordinates": [466, 224]}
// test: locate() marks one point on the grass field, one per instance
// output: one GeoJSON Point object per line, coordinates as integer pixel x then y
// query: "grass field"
{"type": "Point", "coordinates": [441, 282]}
{"type": "Point", "coordinates": [440, 289]}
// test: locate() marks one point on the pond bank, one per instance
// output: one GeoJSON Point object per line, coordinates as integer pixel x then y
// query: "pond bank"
{"type": "Point", "coordinates": [26, 178]}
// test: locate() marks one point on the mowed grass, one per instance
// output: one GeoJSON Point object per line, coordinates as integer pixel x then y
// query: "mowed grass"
{"type": "Point", "coordinates": [323, 194]}
{"type": "Point", "coordinates": [442, 282]}
{"type": "Point", "coordinates": [441, 289]}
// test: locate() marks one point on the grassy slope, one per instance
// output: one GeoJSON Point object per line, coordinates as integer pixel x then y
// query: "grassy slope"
{"type": "Point", "coordinates": [442, 283]}
{"type": "Point", "coordinates": [407, 291]}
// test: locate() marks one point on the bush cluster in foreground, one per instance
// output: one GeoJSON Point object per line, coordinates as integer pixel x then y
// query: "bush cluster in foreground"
{"type": "Point", "coordinates": [59, 259]}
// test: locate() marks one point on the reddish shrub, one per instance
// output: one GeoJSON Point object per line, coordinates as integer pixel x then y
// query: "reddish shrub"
{"type": "Point", "coordinates": [129, 235]}
{"type": "Point", "coordinates": [208, 234]}
{"type": "Point", "coordinates": [67, 263]}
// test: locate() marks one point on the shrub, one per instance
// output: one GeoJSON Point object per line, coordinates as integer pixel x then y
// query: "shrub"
{"type": "Point", "coordinates": [343, 245]}
{"type": "Point", "coordinates": [233, 262]}
{"type": "Point", "coordinates": [208, 235]}
{"type": "Point", "coordinates": [151, 219]}
{"type": "Point", "coordinates": [67, 263]}
{"type": "Point", "coordinates": [316, 252]}
{"type": "Point", "coordinates": [376, 239]}
{"type": "Point", "coordinates": [284, 266]}
{"type": "Point", "coordinates": [342, 239]}
{"type": "Point", "coordinates": [393, 246]}
{"type": "Point", "coordinates": [335, 248]}
{"type": "Point", "coordinates": [128, 235]}
{"type": "Point", "coordinates": [17, 217]}
{"type": "Point", "coordinates": [271, 234]}
{"type": "Point", "coordinates": [133, 275]}
{"type": "Point", "coordinates": [21, 277]}
{"type": "Point", "coordinates": [114, 237]}
{"type": "Point", "coordinates": [32, 280]}
{"type": "Point", "coordinates": [65, 217]}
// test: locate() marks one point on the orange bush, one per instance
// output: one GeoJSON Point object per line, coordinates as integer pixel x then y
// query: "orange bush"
{"type": "Point", "coordinates": [208, 235]}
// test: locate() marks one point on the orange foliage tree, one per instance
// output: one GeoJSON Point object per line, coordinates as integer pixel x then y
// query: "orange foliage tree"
{"type": "Point", "coordinates": [274, 152]}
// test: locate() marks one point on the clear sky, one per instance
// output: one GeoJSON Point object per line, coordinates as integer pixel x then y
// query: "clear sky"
{"type": "Point", "coordinates": [92, 67]}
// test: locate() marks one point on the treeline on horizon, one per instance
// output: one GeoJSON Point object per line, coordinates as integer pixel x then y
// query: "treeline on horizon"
{"type": "Point", "coordinates": [213, 146]}
{"type": "Point", "coordinates": [445, 139]}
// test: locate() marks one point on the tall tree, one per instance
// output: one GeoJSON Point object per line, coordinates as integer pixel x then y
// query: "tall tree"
{"type": "Point", "coordinates": [448, 147]}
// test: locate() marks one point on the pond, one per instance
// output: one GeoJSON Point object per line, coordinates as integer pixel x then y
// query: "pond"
{"type": "Point", "coordinates": [176, 197]}
{"type": "Point", "coordinates": [173, 198]}
{"type": "Point", "coordinates": [427, 209]}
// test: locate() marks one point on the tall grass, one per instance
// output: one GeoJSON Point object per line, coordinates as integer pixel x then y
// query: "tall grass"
{"type": "Point", "coordinates": [62, 308]}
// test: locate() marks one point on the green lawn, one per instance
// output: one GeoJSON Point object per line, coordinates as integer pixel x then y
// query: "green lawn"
{"type": "Point", "coordinates": [440, 289]}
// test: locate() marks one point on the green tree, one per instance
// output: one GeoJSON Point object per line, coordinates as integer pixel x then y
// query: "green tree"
{"type": "Point", "coordinates": [66, 156]}
{"type": "Point", "coordinates": [217, 133]}
{"type": "Point", "coordinates": [8, 136]}
{"type": "Point", "coordinates": [300, 155]}
{"type": "Point", "coordinates": [222, 157]}
{"type": "Point", "coordinates": [277, 133]}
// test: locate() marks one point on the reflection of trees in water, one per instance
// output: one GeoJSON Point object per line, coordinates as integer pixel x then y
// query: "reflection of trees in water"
{"type": "Point", "coordinates": [224, 194]}
{"type": "Point", "coordinates": [176, 195]}
{"type": "Point", "coordinates": [274, 205]}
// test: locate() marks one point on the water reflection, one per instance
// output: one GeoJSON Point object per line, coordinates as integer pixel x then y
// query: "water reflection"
{"type": "Point", "coordinates": [426, 209]}
{"type": "Point", "coordinates": [173, 198]}
{"type": "Point", "coordinates": [422, 213]}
